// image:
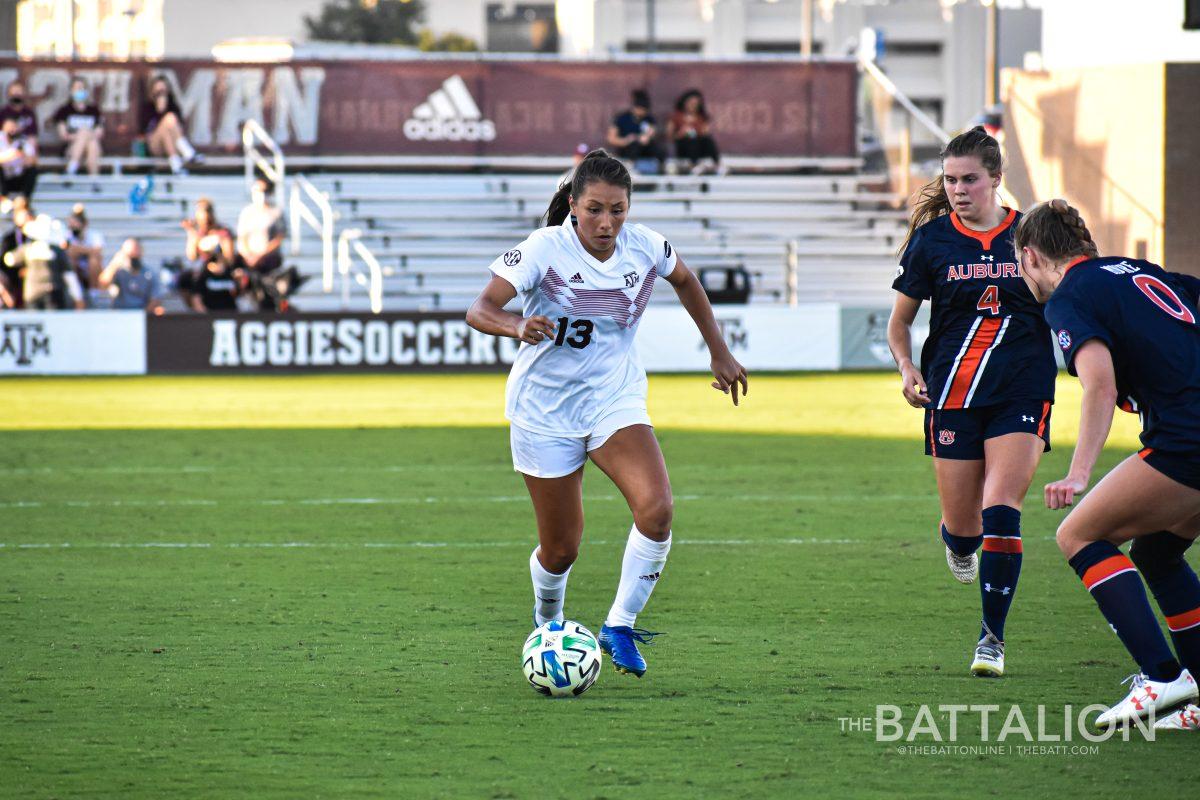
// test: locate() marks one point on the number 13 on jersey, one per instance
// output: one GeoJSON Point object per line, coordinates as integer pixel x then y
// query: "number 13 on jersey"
{"type": "Point", "coordinates": [989, 300]}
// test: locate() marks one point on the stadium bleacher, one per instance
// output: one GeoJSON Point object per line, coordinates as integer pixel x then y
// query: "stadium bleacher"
{"type": "Point", "coordinates": [434, 233]}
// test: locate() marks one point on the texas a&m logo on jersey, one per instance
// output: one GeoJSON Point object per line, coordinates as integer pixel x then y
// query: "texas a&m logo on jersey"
{"type": "Point", "coordinates": [945, 437]}
{"type": "Point", "coordinates": [631, 279]}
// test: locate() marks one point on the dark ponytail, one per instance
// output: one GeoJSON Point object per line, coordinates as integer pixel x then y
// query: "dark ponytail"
{"type": "Point", "coordinates": [932, 202]}
{"type": "Point", "coordinates": [597, 167]}
{"type": "Point", "coordinates": [1057, 230]}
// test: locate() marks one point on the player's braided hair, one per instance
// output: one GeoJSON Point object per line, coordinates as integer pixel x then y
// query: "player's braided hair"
{"type": "Point", "coordinates": [597, 167]}
{"type": "Point", "coordinates": [932, 201]}
{"type": "Point", "coordinates": [1057, 230]}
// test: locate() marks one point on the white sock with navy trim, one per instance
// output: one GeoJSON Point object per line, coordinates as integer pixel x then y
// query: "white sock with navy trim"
{"type": "Point", "coordinates": [640, 570]}
{"type": "Point", "coordinates": [549, 590]}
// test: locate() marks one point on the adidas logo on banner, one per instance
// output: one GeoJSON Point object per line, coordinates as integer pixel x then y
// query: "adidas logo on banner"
{"type": "Point", "coordinates": [450, 114]}
{"type": "Point", "coordinates": [576, 278]}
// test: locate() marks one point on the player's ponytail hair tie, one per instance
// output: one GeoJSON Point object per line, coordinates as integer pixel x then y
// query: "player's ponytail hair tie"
{"type": "Point", "coordinates": [1057, 230]}
{"type": "Point", "coordinates": [597, 167]}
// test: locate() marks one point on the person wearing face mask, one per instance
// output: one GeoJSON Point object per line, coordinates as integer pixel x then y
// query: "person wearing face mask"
{"type": "Point", "coordinates": [163, 128]}
{"type": "Point", "coordinates": [19, 109]}
{"type": "Point", "coordinates": [81, 127]}
{"type": "Point", "coordinates": [84, 246]}
{"type": "Point", "coordinates": [18, 159]}
{"type": "Point", "coordinates": [133, 286]}
{"type": "Point", "coordinates": [260, 233]}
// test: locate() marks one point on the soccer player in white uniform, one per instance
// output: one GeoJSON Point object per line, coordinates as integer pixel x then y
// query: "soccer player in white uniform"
{"type": "Point", "coordinates": [577, 389]}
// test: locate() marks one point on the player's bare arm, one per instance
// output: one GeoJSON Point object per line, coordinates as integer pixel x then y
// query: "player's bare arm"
{"type": "Point", "coordinates": [487, 315]}
{"type": "Point", "coordinates": [899, 330]}
{"type": "Point", "coordinates": [1094, 364]}
{"type": "Point", "coordinates": [725, 368]}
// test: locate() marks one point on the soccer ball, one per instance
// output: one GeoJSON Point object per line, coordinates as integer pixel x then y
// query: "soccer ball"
{"type": "Point", "coordinates": [561, 659]}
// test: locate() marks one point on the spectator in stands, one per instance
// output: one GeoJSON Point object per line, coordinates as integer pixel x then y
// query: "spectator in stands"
{"type": "Point", "coordinates": [84, 247]}
{"type": "Point", "coordinates": [581, 150]}
{"type": "Point", "coordinates": [215, 283]}
{"type": "Point", "coordinates": [49, 282]}
{"type": "Point", "coordinates": [633, 135]}
{"type": "Point", "coordinates": [136, 287]}
{"type": "Point", "coordinates": [689, 130]}
{"type": "Point", "coordinates": [207, 239]}
{"type": "Point", "coordinates": [260, 233]}
{"type": "Point", "coordinates": [163, 131]}
{"type": "Point", "coordinates": [81, 127]}
{"type": "Point", "coordinates": [18, 108]}
{"type": "Point", "coordinates": [18, 162]}
{"type": "Point", "coordinates": [10, 277]}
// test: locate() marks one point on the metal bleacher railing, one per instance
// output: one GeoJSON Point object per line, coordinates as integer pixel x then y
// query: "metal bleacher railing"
{"type": "Point", "coordinates": [350, 245]}
{"type": "Point", "coordinates": [308, 205]}
{"type": "Point", "coordinates": [300, 203]}
{"type": "Point", "coordinates": [893, 133]}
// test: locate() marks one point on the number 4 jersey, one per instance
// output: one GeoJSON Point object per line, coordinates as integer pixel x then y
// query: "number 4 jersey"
{"type": "Point", "coordinates": [565, 384]}
{"type": "Point", "coordinates": [988, 341]}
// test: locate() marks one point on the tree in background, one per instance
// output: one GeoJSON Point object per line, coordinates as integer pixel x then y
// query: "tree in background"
{"type": "Point", "coordinates": [446, 43]}
{"type": "Point", "coordinates": [370, 21]}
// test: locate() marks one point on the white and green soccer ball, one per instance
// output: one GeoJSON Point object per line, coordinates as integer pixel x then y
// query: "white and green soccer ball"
{"type": "Point", "coordinates": [561, 659]}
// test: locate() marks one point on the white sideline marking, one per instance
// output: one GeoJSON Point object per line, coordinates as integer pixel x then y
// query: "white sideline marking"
{"type": "Point", "coordinates": [318, 469]}
{"type": "Point", "coordinates": [270, 468]}
{"type": "Point", "coordinates": [389, 545]}
{"type": "Point", "coordinates": [434, 500]}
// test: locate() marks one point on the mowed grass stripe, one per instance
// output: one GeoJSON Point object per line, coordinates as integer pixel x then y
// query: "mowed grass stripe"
{"type": "Point", "coordinates": [841, 404]}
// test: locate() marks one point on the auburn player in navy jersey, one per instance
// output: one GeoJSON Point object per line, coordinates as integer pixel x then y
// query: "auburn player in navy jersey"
{"type": "Point", "coordinates": [1129, 331]}
{"type": "Point", "coordinates": [987, 374]}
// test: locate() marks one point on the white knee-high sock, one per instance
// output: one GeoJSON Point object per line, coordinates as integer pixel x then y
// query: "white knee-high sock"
{"type": "Point", "coordinates": [640, 570]}
{"type": "Point", "coordinates": [549, 590]}
{"type": "Point", "coordinates": [184, 148]}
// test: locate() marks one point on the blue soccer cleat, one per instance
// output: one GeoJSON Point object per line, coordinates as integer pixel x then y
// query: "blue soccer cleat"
{"type": "Point", "coordinates": [620, 642]}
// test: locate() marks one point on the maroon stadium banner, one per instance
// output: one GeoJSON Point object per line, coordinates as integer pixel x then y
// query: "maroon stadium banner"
{"type": "Point", "coordinates": [467, 107]}
{"type": "Point", "coordinates": [342, 342]}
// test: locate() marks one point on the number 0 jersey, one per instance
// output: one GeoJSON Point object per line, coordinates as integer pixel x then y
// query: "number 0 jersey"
{"type": "Point", "coordinates": [564, 384]}
{"type": "Point", "coordinates": [1148, 320]}
{"type": "Point", "coordinates": [988, 341]}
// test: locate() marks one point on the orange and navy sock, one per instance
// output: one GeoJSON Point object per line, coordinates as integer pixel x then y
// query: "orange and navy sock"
{"type": "Point", "coordinates": [1115, 586]}
{"type": "Point", "coordinates": [999, 566]}
{"type": "Point", "coordinates": [1159, 557]}
{"type": "Point", "coordinates": [960, 545]}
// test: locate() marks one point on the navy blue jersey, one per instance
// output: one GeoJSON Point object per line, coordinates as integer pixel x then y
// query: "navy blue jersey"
{"type": "Point", "coordinates": [988, 341]}
{"type": "Point", "coordinates": [1147, 319]}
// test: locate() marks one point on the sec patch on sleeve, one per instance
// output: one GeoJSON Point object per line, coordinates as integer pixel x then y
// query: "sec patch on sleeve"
{"type": "Point", "coordinates": [512, 258]}
{"type": "Point", "coordinates": [1064, 339]}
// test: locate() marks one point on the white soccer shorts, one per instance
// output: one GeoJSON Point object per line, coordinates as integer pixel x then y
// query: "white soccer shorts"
{"type": "Point", "coordinates": [543, 455]}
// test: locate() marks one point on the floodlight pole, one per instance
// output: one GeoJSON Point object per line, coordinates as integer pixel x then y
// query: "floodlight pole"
{"type": "Point", "coordinates": [651, 33]}
{"type": "Point", "coordinates": [806, 28]}
{"type": "Point", "coordinates": [990, 56]}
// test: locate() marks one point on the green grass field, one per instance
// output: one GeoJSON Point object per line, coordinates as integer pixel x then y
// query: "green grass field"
{"type": "Point", "coordinates": [317, 587]}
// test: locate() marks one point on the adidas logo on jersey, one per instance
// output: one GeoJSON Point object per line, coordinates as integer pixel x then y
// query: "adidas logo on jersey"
{"type": "Point", "coordinates": [450, 114]}
{"type": "Point", "coordinates": [576, 278]}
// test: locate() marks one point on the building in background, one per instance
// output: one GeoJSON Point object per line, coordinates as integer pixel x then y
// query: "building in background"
{"type": "Point", "coordinates": [1109, 117]}
{"type": "Point", "coordinates": [934, 50]}
{"type": "Point", "coordinates": [120, 29]}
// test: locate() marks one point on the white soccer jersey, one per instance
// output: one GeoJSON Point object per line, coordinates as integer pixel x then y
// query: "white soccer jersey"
{"type": "Point", "coordinates": [564, 384]}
